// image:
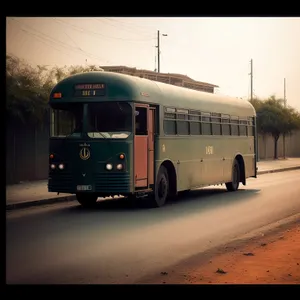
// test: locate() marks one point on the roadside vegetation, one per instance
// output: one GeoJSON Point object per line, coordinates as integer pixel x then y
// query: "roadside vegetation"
{"type": "Point", "coordinates": [28, 88]}
{"type": "Point", "coordinates": [275, 119]}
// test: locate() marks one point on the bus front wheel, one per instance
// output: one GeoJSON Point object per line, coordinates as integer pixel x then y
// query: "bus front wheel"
{"type": "Point", "coordinates": [161, 190]}
{"type": "Point", "coordinates": [234, 184]}
{"type": "Point", "coordinates": [86, 200]}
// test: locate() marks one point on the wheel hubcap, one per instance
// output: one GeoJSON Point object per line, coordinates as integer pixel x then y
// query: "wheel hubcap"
{"type": "Point", "coordinates": [162, 188]}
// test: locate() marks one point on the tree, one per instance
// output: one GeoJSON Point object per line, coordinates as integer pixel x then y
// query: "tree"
{"type": "Point", "coordinates": [28, 88]}
{"type": "Point", "coordinates": [275, 119]}
{"type": "Point", "coordinates": [26, 99]}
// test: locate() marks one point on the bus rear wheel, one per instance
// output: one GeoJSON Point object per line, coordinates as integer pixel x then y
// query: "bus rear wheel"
{"type": "Point", "coordinates": [87, 200]}
{"type": "Point", "coordinates": [161, 190]}
{"type": "Point", "coordinates": [234, 184]}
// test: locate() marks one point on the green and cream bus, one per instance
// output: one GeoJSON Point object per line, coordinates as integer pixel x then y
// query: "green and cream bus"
{"type": "Point", "coordinates": [116, 134]}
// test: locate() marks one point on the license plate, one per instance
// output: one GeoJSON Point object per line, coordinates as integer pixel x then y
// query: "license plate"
{"type": "Point", "coordinates": [84, 187]}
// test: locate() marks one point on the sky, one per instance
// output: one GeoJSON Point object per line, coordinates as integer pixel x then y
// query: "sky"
{"type": "Point", "coordinates": [217, 50]}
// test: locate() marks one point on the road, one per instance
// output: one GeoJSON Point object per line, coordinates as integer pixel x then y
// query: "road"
{"type": "Point", "coordinates": [116, 243]}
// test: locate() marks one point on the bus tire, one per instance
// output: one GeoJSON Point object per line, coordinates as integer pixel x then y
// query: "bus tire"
{"type": "Point", "coordinates": [161, 190]}
{"type": "Point", "coordinates": [86, 200]}
{"type": "Point", "coordinates": [234, 184]}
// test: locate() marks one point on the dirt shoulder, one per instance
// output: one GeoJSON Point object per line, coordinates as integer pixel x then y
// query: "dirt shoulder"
{"type": "Point", "coordinates": [273, 257]}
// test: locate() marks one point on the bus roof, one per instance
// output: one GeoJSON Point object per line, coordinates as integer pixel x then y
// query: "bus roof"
{"type": "Point", "coordinates": [122, 87]}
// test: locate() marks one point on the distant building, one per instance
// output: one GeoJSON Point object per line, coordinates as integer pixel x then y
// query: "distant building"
{"type": "Point", "coordinates": [175, 79]}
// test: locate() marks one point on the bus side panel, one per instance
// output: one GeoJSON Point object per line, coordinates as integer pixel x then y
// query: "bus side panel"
{"type": "Point", "coordinates": [207, 160]}
{"type": "Point", "coordinates": [250, 159]}
{"type": "Point", "coordinates": [256, 147]}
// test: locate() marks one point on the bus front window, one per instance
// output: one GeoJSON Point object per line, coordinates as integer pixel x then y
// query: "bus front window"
{"type": "Point", "coordinates": [111, 120]}
{"type": "Point", "coordinates": [66, 120]}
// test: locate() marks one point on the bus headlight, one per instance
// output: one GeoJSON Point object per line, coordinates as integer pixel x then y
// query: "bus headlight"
{"type": "Point", "coordinates": [52, 166]}
{"type": "Point", "coordinates": [109, 167]}
{"type": "Point", "coordinates": [61, 166]}
{"type": "Point", "coordinates": [119, 166]}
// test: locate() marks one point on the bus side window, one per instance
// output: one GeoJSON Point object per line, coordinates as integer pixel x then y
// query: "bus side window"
{"type": "Point", "coordinates": [141, 121]}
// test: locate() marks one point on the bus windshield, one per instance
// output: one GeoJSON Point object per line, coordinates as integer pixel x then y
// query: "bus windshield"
{"type": "Point", "coordinates": [111, 120]}
{"type": "Point", "coordinates": [104, 120]}
{"type": "Point", "coordinates": [66, 119]}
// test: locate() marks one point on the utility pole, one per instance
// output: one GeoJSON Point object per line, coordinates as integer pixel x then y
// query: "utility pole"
{"type": "Point", "coordinates": [251, 98]}
{"type": "Point", "coordinates": [158, 53]}
{"type": "Point", "coordinates": [158, 50]}
{"type": "Point", "coordinates": [251, 78]}
{"type": "Point", "coordinates": [284, 103]}
{"type": "Point", "coordinates": [284, 93]}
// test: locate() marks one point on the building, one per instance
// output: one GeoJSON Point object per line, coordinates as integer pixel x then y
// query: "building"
{"type": "Point", "coordinates": [175, 79]}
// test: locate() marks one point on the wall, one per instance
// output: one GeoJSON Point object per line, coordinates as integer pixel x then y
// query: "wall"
{"type": "Point", "coordinates": [292, 146]}
{"type": "Point", "coordinates": [26, 152]}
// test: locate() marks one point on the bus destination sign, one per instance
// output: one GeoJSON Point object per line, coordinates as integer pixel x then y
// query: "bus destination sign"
{"type": "Point", "coordinates": [89, 89]}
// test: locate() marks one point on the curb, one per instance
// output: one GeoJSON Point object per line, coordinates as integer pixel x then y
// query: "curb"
{"type": "Point", "coordinates": [279, 170]}
{"type": "Point", "coordinates": [40, 202]}
{"type": "Point", "coordinates": [73, 197]}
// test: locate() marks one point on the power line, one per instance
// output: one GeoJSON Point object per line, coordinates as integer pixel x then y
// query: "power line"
{"type": "Point", "coordinates": [28, 60]}
{"type": "Point", "coordinates": [44, 41]}
{"type": "Point", "coordinates": [55, 43]}
{"type": "Point", "coordinates": [73, 41]}
{"type": "Point", "coordinates": [132, 24]}
{"type": "Point", "coordinates": [49, 40]}
{"type": "Point", "coordinates": [110, 22]}
{"type": "Point", "coordinates": [44, 36]}
{"type": "Point", "coordinates": [80, 29]}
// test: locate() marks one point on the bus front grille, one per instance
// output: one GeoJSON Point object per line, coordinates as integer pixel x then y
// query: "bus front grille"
{"type": "Point", "coordinates": [116, 183]}
{"type": "Point", "coordinates": [112, 182]}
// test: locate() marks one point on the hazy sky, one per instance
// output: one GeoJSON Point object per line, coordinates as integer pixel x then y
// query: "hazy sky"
{"type": "Point", "coordinates": [214, 50]}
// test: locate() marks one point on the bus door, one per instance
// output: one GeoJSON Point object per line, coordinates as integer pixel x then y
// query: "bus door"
{"type": "Point", "coordinates": [144, 146]}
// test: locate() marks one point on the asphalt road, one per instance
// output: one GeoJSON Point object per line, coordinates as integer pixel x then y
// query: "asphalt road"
{"type": "Point", "coordinates": [116, 243]}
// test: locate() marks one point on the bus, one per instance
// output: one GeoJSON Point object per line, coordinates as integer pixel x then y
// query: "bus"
{"type": "Point", "coordinates": [116, 134]}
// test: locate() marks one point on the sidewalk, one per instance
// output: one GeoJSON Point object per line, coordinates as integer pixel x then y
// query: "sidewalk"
{"type": "Point", "coordinates": [36, 192]}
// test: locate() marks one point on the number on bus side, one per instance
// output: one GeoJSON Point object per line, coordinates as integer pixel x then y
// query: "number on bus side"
{"type": "Point", "coordinates": [209, 150]}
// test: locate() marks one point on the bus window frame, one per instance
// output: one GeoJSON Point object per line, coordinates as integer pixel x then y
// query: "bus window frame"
{"type": "Point", "coordinates": [170, 114]}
